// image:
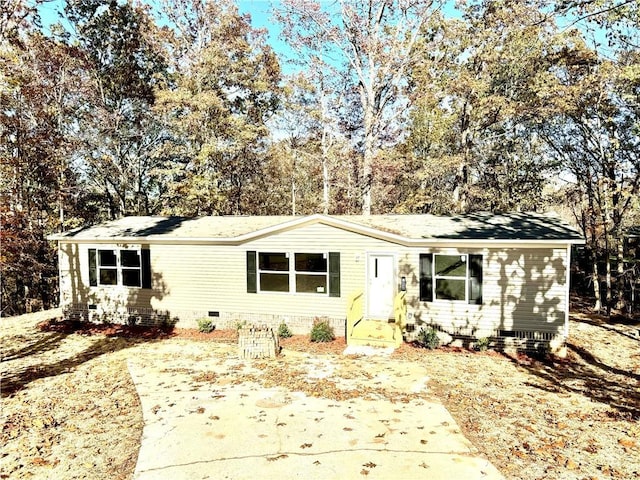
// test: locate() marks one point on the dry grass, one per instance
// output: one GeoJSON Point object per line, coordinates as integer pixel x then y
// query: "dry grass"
{"type": "Point", "coordinates": [70, 409]}
{"type": "Point", "coordinates": [576, 418]}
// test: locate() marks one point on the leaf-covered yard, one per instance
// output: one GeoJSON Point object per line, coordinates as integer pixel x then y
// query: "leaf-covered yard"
{"type": "Point", "coordinates": [572, 419]}
{"type": "Point", "coordinates": [70, 409]}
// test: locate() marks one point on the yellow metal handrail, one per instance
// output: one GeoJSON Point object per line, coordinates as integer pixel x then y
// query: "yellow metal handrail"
{"type": "Point", "coordinates": [400, 310]}
{"type": "Point", "coordinates": [355, 312]}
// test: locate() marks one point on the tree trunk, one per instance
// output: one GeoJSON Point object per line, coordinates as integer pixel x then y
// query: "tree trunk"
{"type": "Point", "coordinates": [632, 302]}
{"type": "Point", "coordinates": [607, 256]}
{"type": "Point", "coordinates": [60, 208]}
{"type": "Point", "coordinates": [325, 172]}
{"type": "Point", "coordinates": [608, 280]}
{"type": "Point", "coordinates": [620, 287]}
{"type": "Point", "coordinates": [293, 195]}
{"type": "Point", "coordinates": [110, 204]}
{"type": "Point", "coordinates": [462, 177]}
{"type": "Point", "coordinates": [597, 307]}
{"type": "Point", "coordinates": [325, 186]}
{"type": "Point", "coordinates": [326, 136]}
{"type": "Point", "coordinates": [367, 173]}
{"type": "Point", "coordinates": [460, 190]}
{"type": "Point", "coordinates": [618, 238]}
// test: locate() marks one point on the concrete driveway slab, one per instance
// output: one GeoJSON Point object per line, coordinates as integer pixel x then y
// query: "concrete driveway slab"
{"type": "Point", "coordinates": [206, 416]}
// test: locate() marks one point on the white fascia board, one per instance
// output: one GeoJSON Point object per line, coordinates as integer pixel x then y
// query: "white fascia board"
{"type": "Point", "coordinates": [490, 243]}
{"type": "Point", "coordinates": [234, 241]}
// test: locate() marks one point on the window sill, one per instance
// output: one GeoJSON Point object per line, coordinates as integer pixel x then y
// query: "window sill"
{"type": "Point", "coordinates": [116, 286]}
{"type": "Point", "coordinates": [296, 294]}
{"type": "Point", "coordinates": [449, 302]}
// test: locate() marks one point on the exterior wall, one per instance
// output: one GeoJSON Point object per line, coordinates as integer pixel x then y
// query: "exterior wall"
{"type": "Point", "coordinates": [524, 296]}
{"type": "Point", "coordinates": [189, 281]}
{"type": "Point", "coordinates": [524, 289]}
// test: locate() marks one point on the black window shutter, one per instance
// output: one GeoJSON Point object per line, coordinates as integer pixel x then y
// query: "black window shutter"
{"type": "Point", "coordinates": [475, 279]}
{"type": "Point", "coordinates": [334, 274]}
{"type": "Point", "coordinates": [93, 268]}
{"type": "Point", "coordinates": [426, 277]}
{"type": "Point", "coordinates": [145, 262]}
{"type": "Point", "coordinates": [252, 276]}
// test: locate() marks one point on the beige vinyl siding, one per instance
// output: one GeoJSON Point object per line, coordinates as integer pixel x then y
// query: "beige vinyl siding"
{"type": "Point", "coordinates": [191, 280]}
{"type": "Point", "coordinates": [524, 290]}
{"type": "Point", "coordinates": [73, 262]}
{"type": "Point", "coordinates": [214, 277]}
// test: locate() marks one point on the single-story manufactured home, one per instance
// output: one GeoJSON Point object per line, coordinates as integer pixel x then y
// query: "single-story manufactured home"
{"type": "Point", "coordinates": [503, 277]}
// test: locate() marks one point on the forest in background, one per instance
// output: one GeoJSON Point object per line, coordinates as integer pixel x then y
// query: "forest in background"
{"type": "Point", "coordinates": [182, 108]}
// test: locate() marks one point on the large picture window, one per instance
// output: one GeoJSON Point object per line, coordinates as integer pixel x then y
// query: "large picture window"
{"type": "Point", "coordinates": [451, 277]}
{"type": "Point", "coordinates": [294, 272]}
{"type": "Point", "coordinates": [126, 267]}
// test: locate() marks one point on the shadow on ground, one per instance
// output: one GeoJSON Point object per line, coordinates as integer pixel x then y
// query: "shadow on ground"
{"type": "Point", "coordinates": [51, 335]}
{"type": "Point", "coordinates": [583, 373]}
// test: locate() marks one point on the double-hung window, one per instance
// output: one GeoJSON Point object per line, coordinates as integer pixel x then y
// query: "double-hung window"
{"type": "Point", "coordinates": [294, 272]}
{"type": "Point", "coordinates": [126, 267]}
{"type": "Point", "coordinates": [107, 267]}
{"type": "Point", "coordinates": [130, 270]}
{"type": "Point", "coordinates": [311, 272]}
{"type": "Point", "coordinates": [274, 272]}
{"type": "Point", "coordinates": [451, 277]}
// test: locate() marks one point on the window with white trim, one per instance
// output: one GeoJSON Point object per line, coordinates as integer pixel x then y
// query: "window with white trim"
{"type": "Point", "coordinates": [451, 277]}
{"type": "Point", "coordinates": [115, 267]}
{"type": "Point", "coordinates": [107, 267]}
{"type": "Point", "coordinates": [130, 268]}
{"type": "Point", "coordinates": [311, 272]}
{"type": "Point", "coordinates": [293, 272]}
{"type": "Point", "coordinates": [273, 272]}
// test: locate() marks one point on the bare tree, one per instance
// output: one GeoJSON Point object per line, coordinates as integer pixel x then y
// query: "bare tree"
{"type": "Point", "coordinates": [374, 41]}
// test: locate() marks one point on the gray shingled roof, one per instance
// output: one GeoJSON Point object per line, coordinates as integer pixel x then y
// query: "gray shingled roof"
{"type": "Point", "coordinates": [477, 226]}
{"type": "Point", "coordinates": [176, 227]}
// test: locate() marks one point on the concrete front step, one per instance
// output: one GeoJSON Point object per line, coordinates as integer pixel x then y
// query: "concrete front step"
{"type": "Point", "coordinates": [376, 333]}
{"type": "Point", "coordinates": [373, 342]}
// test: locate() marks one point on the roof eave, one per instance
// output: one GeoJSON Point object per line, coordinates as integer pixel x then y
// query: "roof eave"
{"type": "Point", "coordinates": [307, 220]}
{"type": "Point", "coordinates": [406, 242]}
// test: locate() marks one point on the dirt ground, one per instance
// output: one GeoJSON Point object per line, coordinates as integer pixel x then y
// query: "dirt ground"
{"type": "Point", "coordinates": [70, 410]}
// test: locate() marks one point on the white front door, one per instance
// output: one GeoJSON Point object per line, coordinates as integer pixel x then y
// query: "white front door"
{"type": "Point", "coordinates": [380, 286]}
